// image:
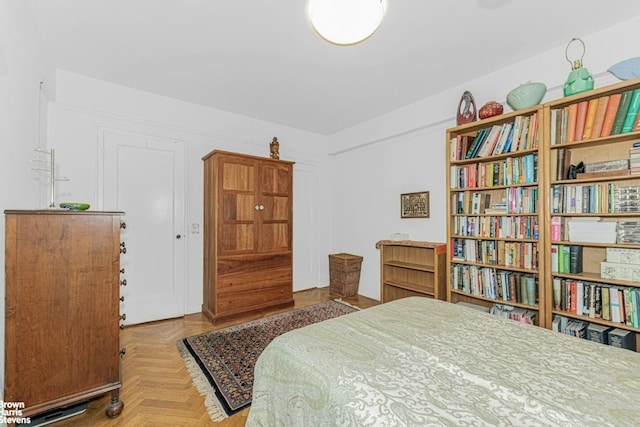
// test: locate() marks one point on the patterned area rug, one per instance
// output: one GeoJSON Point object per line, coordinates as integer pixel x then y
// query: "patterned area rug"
{"type": "Point", "coordinates": [221, 362]}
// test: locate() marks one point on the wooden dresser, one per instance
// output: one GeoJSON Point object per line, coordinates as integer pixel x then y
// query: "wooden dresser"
{"type": "Point", "coordinates": [62, 315]}
{"type": "Point", "coordinates": [248, 233]}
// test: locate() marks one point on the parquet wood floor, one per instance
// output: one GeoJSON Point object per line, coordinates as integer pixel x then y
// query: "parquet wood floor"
{"type": "Point", "coordinates": [157, 388]}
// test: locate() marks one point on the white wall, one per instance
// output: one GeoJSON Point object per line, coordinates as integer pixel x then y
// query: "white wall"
{"type": "Point", "coordinates": [404, 151]}
{"type": "Point", "coordinates": [84, 105]}
{"type": "Point", "coordinates": [22, 66]}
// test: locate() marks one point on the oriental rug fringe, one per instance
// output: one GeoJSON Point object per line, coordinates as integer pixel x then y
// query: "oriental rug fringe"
{"type": "Point", "coordinates": [221, 362]}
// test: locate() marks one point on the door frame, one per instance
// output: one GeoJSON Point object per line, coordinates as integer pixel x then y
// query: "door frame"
{"type": "Point", "coordinates": [184, 253]}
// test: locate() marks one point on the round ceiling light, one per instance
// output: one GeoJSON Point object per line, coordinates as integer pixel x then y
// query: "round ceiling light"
{"type": "Point", "coordinates": [346, 22]}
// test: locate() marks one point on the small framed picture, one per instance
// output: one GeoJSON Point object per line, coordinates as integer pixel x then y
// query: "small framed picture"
{"type": "Point", "coordinates": [414, 205]}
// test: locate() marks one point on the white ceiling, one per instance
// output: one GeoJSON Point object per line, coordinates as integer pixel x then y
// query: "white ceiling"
{"type": "Point", "coordinates": [261, 58]}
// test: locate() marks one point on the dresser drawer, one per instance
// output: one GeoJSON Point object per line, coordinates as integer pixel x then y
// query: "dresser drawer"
{"type": "Point", "coordinates": [254, 280]}
{"type": "Point", "coordinates": [237, 301]}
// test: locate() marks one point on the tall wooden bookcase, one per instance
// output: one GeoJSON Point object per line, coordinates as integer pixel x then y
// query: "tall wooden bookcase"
{"type": "Point", "coordinates": [494, 213]}
{"type": "Point", "coordinates": [596, 214]}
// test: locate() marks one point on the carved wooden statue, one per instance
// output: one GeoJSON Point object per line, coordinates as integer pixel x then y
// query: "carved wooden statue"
{"type": "Point", "coordinates": [274, 149]}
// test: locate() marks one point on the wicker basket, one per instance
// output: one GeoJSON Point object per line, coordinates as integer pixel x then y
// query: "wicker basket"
{"type": "Point", "coordinates": [344, 274]}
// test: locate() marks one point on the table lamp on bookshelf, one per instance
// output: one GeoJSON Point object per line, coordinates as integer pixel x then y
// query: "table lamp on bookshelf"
{"type": "Point", "coordinates": [579, 79]}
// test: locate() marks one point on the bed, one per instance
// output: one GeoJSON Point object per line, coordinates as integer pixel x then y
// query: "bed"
{"type": "Point", "coordinates": [423, 362]}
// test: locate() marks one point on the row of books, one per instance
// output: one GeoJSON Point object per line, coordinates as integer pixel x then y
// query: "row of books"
{"type": "Point", "coordinates": [615, 337]}
{"type": "Point", "coordinates": [516, 200]}
{"type": "Point", "coordinates": [618, 304]}
{"type": "Point", "coordinates": [471, 202]}
{"type": "Point", "coordinates": [518, 314]}
{"type": "Point", "coordinates": [509, 286]}
{"type": "Point", "coordinates": [519, 135]}
{"type": "Point", "coordinates": [509, 171]}
{"type": "Point", "coordinates": [499, 227]}
{"type": "Point", "coordinates": [522, 200]}
{"type": "Point", "coordinates": [566, 259]}
{"type": "Point", "coordinates": [496, 252]}
{"type": "Point", "coordinates": [584, 198]}
{"type": "Point", "coordinates": [596, 118]}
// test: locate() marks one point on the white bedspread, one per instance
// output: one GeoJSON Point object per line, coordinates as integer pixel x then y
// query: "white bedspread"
{"type": "Point", "coordinates": [421, 362]}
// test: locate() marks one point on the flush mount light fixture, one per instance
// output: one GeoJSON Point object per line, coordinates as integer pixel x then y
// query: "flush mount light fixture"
{"type": "Point", "coordinates": [346, 22]}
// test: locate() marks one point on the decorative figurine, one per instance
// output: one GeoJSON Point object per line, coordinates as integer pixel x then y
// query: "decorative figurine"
{"type": "Point", "coordinates": [579, 79]}
{"type": "Point", "coordinates": [466, 112]}
{"type": "Point", "coordinates": [490, 109]}
{"type": "Point", "coordinates": [274, 149]}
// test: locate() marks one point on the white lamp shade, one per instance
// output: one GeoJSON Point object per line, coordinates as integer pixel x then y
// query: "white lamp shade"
{"type": "Point", "coordinates": [346, 22]}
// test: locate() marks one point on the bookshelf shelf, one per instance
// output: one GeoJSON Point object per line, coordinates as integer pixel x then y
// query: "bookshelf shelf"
{"type": "Point", "coordinates": [410, 266]}
{"type": "Point", "coordinates": [409, 286]}
{"type": "Point", "coordinates": [593, 244]}
{"type": "Point", "coordinates": [493, 301]}
{"type": "Point", "coordinates": [578, 181]}
{"type": "Point", "coordinates": [501, 239]}
{"type": "Point", "coordinates": [496, 187]}
{"type": "Point", "coordinates": [596, 277]}
{"type": "Point", "coordinates": [601, 322]}
{"type": "Point", "coordinates": [598, 215]}
{"type": "Point", "coordinates": [460, 261]}
{"type": "Point", "coordinates": [494, 157]}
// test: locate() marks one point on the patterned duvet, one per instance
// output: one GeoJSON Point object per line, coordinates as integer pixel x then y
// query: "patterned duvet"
{"type": "Point", "coordinates": [422, 362]}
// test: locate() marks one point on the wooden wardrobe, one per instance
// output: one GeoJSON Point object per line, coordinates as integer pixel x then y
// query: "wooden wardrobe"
{"type": "Point", "coordinates": [62, 336]}
{"type": "Point", "coordinates": [248, 255]}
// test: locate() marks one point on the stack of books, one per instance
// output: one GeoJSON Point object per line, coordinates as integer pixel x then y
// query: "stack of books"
{"type": "Point", "coordinates": [497, 207]}
{"type": "Point", "coordinates": [621, 264]}
{"type": "Point", "coordinates": [605, 169]}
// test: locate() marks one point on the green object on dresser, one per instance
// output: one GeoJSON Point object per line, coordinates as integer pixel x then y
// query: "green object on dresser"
{"type": "Point", "coordinates": [74, 206]}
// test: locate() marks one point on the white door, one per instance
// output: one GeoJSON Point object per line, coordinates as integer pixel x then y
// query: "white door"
{"type": "Point", "coordinates": [144, 177]}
